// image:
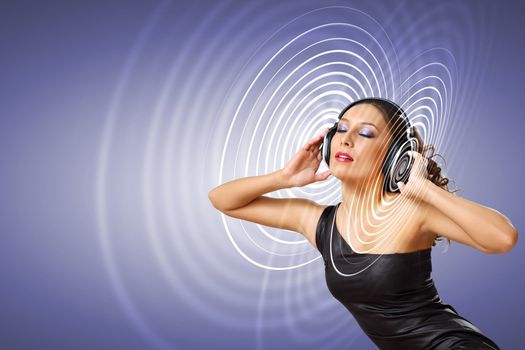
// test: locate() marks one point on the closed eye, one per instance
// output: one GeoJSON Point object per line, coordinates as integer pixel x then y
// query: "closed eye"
{"type": "Point", "coordinates": [363, 132]}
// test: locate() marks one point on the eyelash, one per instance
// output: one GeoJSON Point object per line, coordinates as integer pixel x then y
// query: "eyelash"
{"type": "Point", "coordinates": [371, 135]}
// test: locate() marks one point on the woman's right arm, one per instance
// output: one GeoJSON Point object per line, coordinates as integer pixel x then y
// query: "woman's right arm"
{"type": "Point", "coordinates": [243, 198]}
{"type": "Point", "coordinates": [240, 192]}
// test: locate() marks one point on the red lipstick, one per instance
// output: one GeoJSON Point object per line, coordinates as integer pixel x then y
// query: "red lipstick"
{"type": "Point", "coordinates": [343, 157]}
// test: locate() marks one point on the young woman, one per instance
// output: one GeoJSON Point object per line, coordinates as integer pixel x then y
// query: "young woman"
{"type": "Point", "coordinates": [376, 242]}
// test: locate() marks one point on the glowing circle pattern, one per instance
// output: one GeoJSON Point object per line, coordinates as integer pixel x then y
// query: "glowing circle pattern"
{"type": "Point", "coordinates": [297, 93]}
{"type": "Point", "coordinates": [214, 101]}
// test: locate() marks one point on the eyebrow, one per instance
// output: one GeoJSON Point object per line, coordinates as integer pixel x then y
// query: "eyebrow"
{"type": "Point", "coordinates": [366, 123]}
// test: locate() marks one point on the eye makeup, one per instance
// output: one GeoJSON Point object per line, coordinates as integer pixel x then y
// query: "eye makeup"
{"type": "Point", "coordinates": [363, 122]}
{"type": "Point", "coordinates": [363, 132]}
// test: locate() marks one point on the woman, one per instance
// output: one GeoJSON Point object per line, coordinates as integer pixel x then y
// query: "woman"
{"type": "Point", "coordinates": [376, 242]}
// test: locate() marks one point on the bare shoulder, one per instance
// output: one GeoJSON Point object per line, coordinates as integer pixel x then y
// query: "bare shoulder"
{"type": "Point", "coordinates": [424, 215]}
{"type": "Point", "coordinates": [310, 220]}
{"type": "Point", "coordinates": [415, 211]}
{"type": "Point", "coordinates": [416, 214]}
{"type": "Point", "coordinates": [433, 223]}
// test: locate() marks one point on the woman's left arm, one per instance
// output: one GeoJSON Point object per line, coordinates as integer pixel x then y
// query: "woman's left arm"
{"type": "Point", "coordinates": [486, 226]}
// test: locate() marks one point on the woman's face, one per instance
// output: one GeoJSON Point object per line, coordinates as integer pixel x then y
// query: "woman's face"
{"type": "Point", "coordinates": [363, 134]}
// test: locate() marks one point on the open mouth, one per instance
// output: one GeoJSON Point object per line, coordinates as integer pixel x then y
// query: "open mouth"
{"type": "Point", "coordinates": [343, 157]}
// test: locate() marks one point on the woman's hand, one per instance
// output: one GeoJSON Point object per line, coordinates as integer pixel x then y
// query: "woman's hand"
{"type": "Point", "coordinates": [416, 186]}
{"type": "Point", "coordinates": [301, 169]}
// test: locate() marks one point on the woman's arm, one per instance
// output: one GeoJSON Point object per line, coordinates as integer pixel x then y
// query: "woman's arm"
{"type": "Point", "coordinates": [243, 198]}
{"type": "Point", "coordinates": [484, 225]}
{"type": "Point", "coordinates": [238, 193]}
{"type": "Point", "coordinates": [457, 218]}
{"type": "Point", "coordinates": [300, 171]}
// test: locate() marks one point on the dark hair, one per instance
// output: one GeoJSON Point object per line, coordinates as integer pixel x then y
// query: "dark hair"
{"type": "Point", "coordinates": [393, 119]}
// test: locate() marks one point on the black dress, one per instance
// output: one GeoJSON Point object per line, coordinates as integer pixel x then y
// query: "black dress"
{"type": "Point", "coordinates": [392, 296]}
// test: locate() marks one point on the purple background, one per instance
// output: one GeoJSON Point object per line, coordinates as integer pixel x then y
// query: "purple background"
{"type": "Point", "coordinates": [115, 120]}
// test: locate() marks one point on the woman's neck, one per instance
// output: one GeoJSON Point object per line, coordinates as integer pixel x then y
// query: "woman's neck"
{"type": "Point", "coordinates": [364, 199]}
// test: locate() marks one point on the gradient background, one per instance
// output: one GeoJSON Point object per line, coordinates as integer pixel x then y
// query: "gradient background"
{"type": "Point", "coordinates": [116, 122]}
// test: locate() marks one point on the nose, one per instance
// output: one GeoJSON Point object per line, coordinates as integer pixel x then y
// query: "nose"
{"type": "Point", "coordinates": [346, 139]}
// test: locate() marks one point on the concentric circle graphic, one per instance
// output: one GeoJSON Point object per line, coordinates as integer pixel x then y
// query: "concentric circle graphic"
{"type": "Point", "coordinates": [202, 102]}
{"type": "Point", "coordinates": [298, 92]}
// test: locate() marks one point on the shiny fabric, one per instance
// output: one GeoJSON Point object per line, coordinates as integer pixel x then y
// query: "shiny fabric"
{"type": "Point", "coordinates": [392, 296]}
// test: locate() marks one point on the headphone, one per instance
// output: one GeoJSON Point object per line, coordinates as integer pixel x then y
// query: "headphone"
{"type": "Point", "coordinates": [397, 163]}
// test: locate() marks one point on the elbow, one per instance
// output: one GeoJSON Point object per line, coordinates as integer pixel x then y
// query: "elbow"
{"type": "Point", "coordinates": [213, 199]}
{"type": "Point", "coordinates": [511, 238]}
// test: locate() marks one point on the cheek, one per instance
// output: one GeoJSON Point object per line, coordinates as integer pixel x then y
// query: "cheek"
{"type": "Point", "coordinates": [380, 146]}
{"type": "Point", "coordinates": [374, 155]}
{"type": "Point", "coordinates": [372, 149]}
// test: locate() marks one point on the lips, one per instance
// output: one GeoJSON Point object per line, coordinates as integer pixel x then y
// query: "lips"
{"type": "Point", "coordinates": [343, 157]}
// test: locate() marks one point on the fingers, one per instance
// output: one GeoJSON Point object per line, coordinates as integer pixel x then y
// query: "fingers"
{"type": "Point", "coordinates": [418, 156]}
{"type": "Point", "coordinates": [414, 154]}
{"type": "Point", "coordinates": [322, 176]}
{"type": "Point", "coordinates": [316, 141]}
{"type": "Point", "coordinates": [420, 163]}
{"type": "Point", "coordinates": [310, 145]}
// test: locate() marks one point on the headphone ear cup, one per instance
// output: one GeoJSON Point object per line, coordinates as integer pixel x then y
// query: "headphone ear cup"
{"type": "Point", "coordinates": [398, 164]}
{"type": "Point", "coordinates": [327, 141]}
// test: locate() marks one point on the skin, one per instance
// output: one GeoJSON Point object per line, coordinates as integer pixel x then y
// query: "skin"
{"type": "Point", "coordinates": [368, 222]}
{"type": "Point", "coordinates": [382, 227]}
{"type": "Point", "coordinates": [366, 144]}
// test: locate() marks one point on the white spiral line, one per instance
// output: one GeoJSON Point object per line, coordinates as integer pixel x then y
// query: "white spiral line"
{"type": "Point", "coordinates": [295, 121]}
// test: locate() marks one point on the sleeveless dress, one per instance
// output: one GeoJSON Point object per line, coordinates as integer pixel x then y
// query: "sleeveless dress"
{"type": "Point", "coordinates": [392, 296]}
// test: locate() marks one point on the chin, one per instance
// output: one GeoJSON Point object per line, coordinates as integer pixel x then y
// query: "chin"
{"type": "Point", "coordinates": [346, 177]}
